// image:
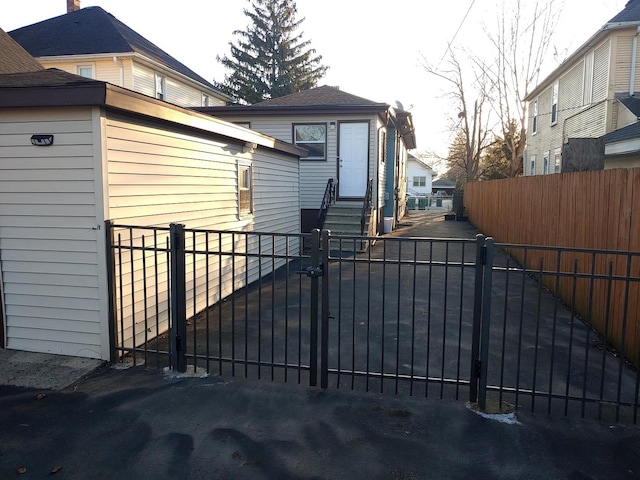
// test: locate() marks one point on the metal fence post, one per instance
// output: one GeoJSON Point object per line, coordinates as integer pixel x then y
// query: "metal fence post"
{"type": "Point", "coordinates": [313, 341]}
{"type": "Point", "coordinates": [486, 322]}
{"type": "Point", "coordinates": [111, 289]}
{"type": "Point", "coordinates": [324, 335]}
{"type": "Point", "coordinates": [477, 319]}
{"type": "Point", "coordinates": [178, 299]}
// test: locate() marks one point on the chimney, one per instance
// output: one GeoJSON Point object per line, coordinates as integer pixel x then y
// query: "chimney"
{"type": "Point", "coordinates": [73, 5]}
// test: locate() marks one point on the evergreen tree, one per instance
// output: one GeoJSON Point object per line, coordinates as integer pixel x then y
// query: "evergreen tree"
{"type": "Point", "coordinates": [270, 59]}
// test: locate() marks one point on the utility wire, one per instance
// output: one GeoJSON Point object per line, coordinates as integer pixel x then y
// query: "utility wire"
{"type": "Point", "coordinates": [456, 34]}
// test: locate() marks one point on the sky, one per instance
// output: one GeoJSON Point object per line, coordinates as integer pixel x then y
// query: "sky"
{"type": "Point", "coordinates": [374, 49]}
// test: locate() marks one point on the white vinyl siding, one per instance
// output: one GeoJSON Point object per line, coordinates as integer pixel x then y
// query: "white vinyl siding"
{"type": "Point", "coordinates": [416, 169]}
{"type": "Point", "coordinates": [158, 176]}
{"type": "Point", "coordinates": [49, 237]}
{"type": "Point", "coordinates": [313, 175]}
{"type": "Point", "coordinates": [601, 72]}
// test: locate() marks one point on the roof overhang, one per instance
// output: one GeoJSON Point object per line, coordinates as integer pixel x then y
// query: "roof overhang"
{"type": "Point", "coordinates": [88, 93]}
{"type": "Point", "coordinates": [405, 127]}
{"type": "Point", "coordinates": [622, 147]}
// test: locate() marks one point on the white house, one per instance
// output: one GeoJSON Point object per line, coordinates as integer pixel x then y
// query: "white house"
{"type": "Point", "coordinates": [419, 177]}
{"type": "Point", "coordinates": [351, 140]}
{"type": "Point", "coordinates": [574, 110]}
{"type": "Point", "coordinates": [75, 152]}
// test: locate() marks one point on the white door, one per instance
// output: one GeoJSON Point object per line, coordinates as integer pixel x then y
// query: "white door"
{"type": "Point", "coordinates": [353, 159]}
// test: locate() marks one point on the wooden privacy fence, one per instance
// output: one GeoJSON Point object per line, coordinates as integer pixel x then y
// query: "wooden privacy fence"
{"type": "Point", "coordinates": [596, 211]}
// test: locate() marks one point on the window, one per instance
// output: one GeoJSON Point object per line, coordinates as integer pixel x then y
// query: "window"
{"type": "Point", "coordinates": [534, 122]}
{"type": "Point", "coordinates": [419, 181]}
{"type": "Point", "coordinates": [383, 146]}
{"type": "Point", "coordinates": [160, 87]}
{"type": "Point", "coordinates": [587, 85]}
{"type": "Point", "coordinates": [205, 100]}
{"type": "Point", "coordinates": [86, 71]}
{"type": "Point", "coordinates": [313, 138]}
{"type": "Point", "coordinates": [545, 163]}
{"type": "Point", "coordinates": [554, 102]}
{"type": "Point", "coordinates": [556, 160]}
{"type": "Point", "coordinates": [245, 189]}
{"type": "Point", "coordinates": [532, 165]}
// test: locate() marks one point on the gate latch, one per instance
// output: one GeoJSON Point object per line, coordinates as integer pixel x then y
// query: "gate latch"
{"type": "Point", "coordinates": [312, 272]}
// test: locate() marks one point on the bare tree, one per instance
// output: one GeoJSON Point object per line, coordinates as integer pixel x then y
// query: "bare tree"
{"type": "Point", "coordinates": [521, 37]}
{"type": "Point", "coordinates": [471, 122]}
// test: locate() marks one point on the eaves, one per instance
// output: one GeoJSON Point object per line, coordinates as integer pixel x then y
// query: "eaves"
{"type": "Point", "coordinates": [592, 42]}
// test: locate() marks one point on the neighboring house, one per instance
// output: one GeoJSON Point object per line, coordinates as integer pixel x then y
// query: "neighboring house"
{"type": "Point", "coordinates": [75, 152]}
{"type": "Point", "coordinates": [93, 43]}
{"type": "Point", "coordinates": [443, 186]}
{"type": "Point", "coordinates": [573, 110]}
{"type": "Point", "coordinates": [622, 146]}
{"type": "Point", "coordinates": [349, 139]}
{"type": "Point", "coordinates": [419, 177]}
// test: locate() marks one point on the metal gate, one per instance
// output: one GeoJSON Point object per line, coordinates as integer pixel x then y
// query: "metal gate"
{"type": "Point", "coordinates": [451, 318]}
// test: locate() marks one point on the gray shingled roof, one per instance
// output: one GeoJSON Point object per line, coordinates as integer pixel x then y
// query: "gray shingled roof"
{"type": "Point", "coordinates": [51, 77]}
{"type": "Point", "coordinates": [324, 95]}
{"type": "Point", "coordinates": [14, 58]}
{"type": "Point", "coordinates": [625, 133]}
{"type": "Point", "coordinates": [90, 31]}
{"type": "Point", "coordinates": [632, 103]}
{"type": "Point", "coordinates": [630, 13]}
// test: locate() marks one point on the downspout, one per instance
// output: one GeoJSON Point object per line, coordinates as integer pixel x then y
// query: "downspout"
{"type": "Point", "coordinates": [119, 63]}
{"type": "Point", "coordinates": [634, 51]}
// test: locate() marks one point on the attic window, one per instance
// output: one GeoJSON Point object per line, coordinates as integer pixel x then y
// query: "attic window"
{"type": "Point", "coordinates": [313, 138]}
{"type": "Point", "coordinates": [86, 71]}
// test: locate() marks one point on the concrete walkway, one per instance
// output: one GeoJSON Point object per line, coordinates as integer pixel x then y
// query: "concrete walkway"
{"type": "Point", "coordinates": [80, 422]}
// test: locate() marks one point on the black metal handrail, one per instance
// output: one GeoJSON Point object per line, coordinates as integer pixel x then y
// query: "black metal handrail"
{"type": "Point", "coordinates": [366, 205]}
{"type": "Point", "coordinates": [328, 200]}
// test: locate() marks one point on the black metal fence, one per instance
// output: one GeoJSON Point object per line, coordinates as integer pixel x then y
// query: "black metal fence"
{"type": "Point", "coordinates": [432, 317]}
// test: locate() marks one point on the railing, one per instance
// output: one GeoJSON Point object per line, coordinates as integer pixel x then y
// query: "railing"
{"type": "Point", "coordinates": [366, 205]}
{"type": "Point", "coordinates": [328, 200]}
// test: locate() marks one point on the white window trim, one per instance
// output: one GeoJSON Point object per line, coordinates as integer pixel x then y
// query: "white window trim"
{"type": "Point", "coordinates": [532, 165]}
{"type": "Point", "coordinates": [242, 166]}
{"type": "Point", "coordinates": [545, 163]}
{"type": "Point", "coordinates": [587, 79]}
{"type": "Point", "coordinates": [324, 158]}
{"type": "Point", "coordinates": [557, 160]}
{"type": "Point", "coordinates": [89, 66]}
{"type": "Point", "coordinates": [534, 117]}
{"type": "Point", "coordinates": [555, 90]}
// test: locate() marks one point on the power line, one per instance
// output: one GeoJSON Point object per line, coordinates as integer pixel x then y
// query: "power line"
{"type": "Point", "coordinates": [456, 34]}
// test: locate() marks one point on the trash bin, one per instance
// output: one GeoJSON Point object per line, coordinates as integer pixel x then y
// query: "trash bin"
{"type": "Point", "coordinates": [438, 202]}
{"type": "Point", "coordinates": [388, 223]}
{"type": "Point", "coordinates": [411, 203]}
{"type": "Point", "coordinates": [422, 203]}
